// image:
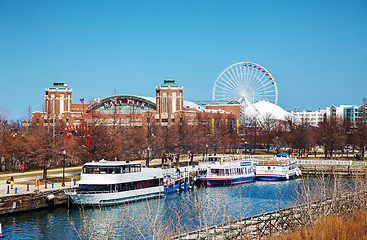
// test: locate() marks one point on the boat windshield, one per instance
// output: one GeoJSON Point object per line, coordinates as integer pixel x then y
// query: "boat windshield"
{"type": "Point", "coordinates": [111, 169]}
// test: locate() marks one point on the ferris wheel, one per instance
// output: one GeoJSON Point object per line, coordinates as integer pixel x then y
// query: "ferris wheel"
{"type": "Point", "coordinates": [247, 83]}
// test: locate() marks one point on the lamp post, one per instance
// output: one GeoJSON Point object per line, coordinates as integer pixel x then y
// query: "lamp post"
{"type": "Point", "coordinates": [206, 150]}
{"type": "Point", "coordinates": [147, 162]}
{"type": "Point", "coordinates": [63, 168]}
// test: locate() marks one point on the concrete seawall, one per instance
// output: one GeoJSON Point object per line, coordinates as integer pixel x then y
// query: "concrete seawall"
{"type": "Point", "coordinates": [32, 201]}
{"type": "Point", "coordinates": [334, 170]}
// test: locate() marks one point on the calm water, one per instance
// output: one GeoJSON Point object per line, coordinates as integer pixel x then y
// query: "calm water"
{"type": "Point", "coordinates": [176, 212]}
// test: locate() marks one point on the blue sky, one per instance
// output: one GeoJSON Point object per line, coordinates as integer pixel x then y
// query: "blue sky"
{"type": "Point", "coordinates": [315, 50]}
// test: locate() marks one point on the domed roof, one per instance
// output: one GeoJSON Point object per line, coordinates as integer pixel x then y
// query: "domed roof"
{"type": "Point", "coordinates": [265, 109]}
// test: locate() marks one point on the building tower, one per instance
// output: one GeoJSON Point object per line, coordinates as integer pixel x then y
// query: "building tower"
{"type": "Point", "coordinates": [169, 99]}
{"type": "Point", "coordinates": [58, 101]}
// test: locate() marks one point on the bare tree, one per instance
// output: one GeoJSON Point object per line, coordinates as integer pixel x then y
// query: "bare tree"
{"type": "Point", "coordinates": [252, 133]}
{"type": "Point", "coordinates": [267, 126]}
{"type": "Point", "coordinates": [360, 130]}
{"type": "Point", "coordinates": [331, 135]}
{"type": "Point", "coordinates": [105, 143]}
{"type": "Point", "coordinates": [45, 145]}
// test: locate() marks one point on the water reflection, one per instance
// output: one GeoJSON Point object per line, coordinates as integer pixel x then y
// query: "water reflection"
{"type": "Point", "coordinates": [177, 212]}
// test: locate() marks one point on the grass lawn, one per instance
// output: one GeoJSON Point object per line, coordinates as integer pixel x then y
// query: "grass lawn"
{"type": "Point", "coordinates": [54, 179]}
{"type": "Point", "coordinates": [33, 173]}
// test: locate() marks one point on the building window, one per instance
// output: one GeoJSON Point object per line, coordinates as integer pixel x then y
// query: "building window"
{"type": "Point", "coordinates": [164, 103]}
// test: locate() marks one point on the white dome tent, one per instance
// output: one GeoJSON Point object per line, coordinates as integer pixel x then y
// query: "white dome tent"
{"type": "Point", "coordinates": [265, 109]}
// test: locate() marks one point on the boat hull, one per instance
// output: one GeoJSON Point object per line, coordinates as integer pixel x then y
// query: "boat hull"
{"type": "Point", "coordinates": [274, 177]}
{"type": "Point", "coordinates": [225, 181]}
{"type": "Point", "coordinates": [114, 198]}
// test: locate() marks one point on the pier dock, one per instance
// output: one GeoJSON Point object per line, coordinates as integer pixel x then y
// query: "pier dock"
{"type": "Point", "coordinates": [25, 196]}
{"type": "Point", "coordinates": [32, 201]}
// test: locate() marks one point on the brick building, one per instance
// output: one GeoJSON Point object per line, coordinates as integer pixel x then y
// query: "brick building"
{"type": "Point", "coordinates": [129, 110]}
{"type": "Point", "coordinates": [58, 107]}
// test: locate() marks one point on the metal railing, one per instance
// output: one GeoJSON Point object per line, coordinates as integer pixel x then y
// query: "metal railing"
{"type": "Point", "coordinates": [327, 162]}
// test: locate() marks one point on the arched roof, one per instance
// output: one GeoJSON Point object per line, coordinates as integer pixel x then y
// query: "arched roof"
{"type": "Point", "coordinates": [122, 100]}
{"type": "Point", "coordinates": [149, 103]}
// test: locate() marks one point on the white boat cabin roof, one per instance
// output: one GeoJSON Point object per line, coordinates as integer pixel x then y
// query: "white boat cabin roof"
{"type": "Point", "coordinates": [111, 163]}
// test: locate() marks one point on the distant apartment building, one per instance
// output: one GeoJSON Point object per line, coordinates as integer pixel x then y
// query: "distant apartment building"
{"type": "Point", "coordinates": [311, 117]}
{"type": "Point", "coordinates": [349, 112]}
{"type": "Point", "coordinates": [344, 112]}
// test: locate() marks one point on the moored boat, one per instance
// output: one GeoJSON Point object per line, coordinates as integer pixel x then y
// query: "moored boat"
{"type": "Point", "coordinates": [114, 182]}
{"type": "Point", "coordinates": [281, 167]}
{"type": "Point", "coordinates": [224, 170]}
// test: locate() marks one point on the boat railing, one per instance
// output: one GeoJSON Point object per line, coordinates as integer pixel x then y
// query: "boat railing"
{"type": "Point", "coordinates": [223, 174]}
{"type": "Point", "coordinates": [229, 158]}
{"type": "Point", "coordinates": [171, 179]}
{"type": "Point", "coordinates": [274, 162]}
{"type": "Point", "coordinates": [87, 192]}
{"type": "Point", "coordinates": [324, 162]}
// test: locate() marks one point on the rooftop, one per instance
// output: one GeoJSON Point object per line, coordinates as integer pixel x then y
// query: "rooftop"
{"type": "Point", "coordinates": [169, 83]}
{"type": "Point", "coordinates": [59, 85]}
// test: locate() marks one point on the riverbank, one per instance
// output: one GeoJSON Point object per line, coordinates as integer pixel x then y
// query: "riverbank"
{"type": "Point", "coordinates": [334, 170]}
{"type": "Point", "coordinates": [26, 196]}
{"type": "Point", "coordinates": [32, 201]}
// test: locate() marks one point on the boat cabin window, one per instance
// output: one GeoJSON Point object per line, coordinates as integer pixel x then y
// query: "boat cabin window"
{"type": "Point", "coordinates": [120, 187]}
{"type": "Point", "coordinates": [111, 169]}
{"type": "Point", "coordinates": [213, 159]}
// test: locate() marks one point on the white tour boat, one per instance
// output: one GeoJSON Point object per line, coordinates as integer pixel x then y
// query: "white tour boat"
{"type": "Point", "coordinates": [225, 170]}
{"type": "Point", "coordinates": [281, 167]}
{"type": "Point", "coordinates": [114, 182]}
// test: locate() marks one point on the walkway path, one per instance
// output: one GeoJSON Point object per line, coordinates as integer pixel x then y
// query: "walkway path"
{"type": "Point", "coordinates": [22, 188]}
{"type": "Point", "coordinates": [77, 168]}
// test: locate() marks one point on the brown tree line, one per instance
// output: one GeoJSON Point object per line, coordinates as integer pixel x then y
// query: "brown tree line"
{"type": "Point", "coordinates": [42, 146]}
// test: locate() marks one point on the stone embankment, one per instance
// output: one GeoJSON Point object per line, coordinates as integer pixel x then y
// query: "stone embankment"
{"type": "Point", "coordinates": [341, 168]}
{"type": "Point", "coordinates": [32, 201]}
{"type": "Point", "coordinates": [263, 225]}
